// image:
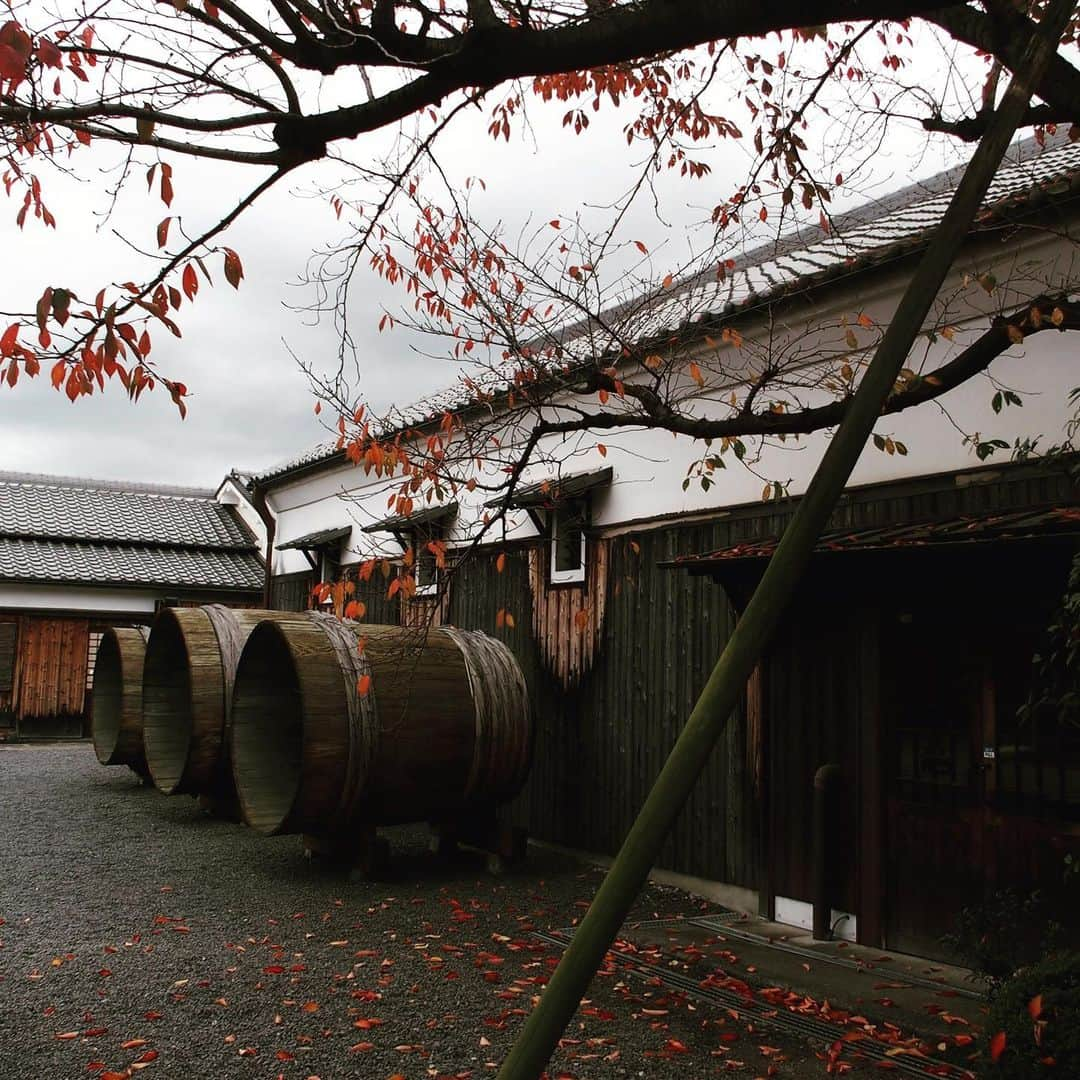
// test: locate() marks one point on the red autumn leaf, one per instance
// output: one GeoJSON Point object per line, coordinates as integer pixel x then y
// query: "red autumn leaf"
{"type": "Point", "coordinates": [362, 1047]}
{"type": "Point", "coordinates": [234, 269]}
{"type": "Point", "coordinates": [66, 1036]}
{"type": "Point", "coordinates": [146, 1057]}
{"type": "Point", "coordinates": [190, 281]}
{"type": "Point", "coordinates": [273, 969]}
{"type": "Point", "coordinates": [94, 1032]}
{"type": "Point", "coordinates": [310, 1007]}
{"type": "Point", "coordinates": [166, 184]}
{"type": "Point", "coordinates": [668, 278]}
{"type": "Point", "coordinates": [1035, 1007]}
{"type": "Point", "coordinates": [152, 1015]}
{"type": "Point", "coordinates": [132, 1044]}
{"type": "Point", "coordinates": [641, 247]}
{"type": "Point", "coordinates": [364, 685]}
{"type": "Point", "coordinates": [601, 449]}
{"type": "Point", "coordinates": [997, 1047]}
{"type": "Point", "coordinates": [676, 1047]}
{"type": "Point", "coordinates": [284, 1055]}
{"type": "Point", "coordinates": [500, 562]}
{"type": "Point", "coordinates": [163, 231]}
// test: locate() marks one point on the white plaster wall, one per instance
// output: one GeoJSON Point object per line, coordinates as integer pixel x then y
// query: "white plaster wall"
{"type": "Point", "coordinates": [231, 494]}
{"type": "Point", "coordinates": [650, 466]}
{"type": "Point", "coordinates": [65, 598]}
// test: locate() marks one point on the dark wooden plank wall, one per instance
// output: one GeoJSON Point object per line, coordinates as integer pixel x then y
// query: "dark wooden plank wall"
{"type": "Point", "coordinates": [602, 736]}
{"type": "Point", "coordinates": [816, 714]}
{"type": "Point", "coordinates": [601, 741]}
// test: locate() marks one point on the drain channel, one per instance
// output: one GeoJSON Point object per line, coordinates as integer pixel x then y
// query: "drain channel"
{"type": "Point", "coordinates": [767, 1014]}
{"type": "Point", "coordinates": [722, 926]}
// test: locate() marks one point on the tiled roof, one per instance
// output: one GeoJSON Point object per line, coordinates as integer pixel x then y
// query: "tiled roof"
{"type": "Point", "coordinates": [61, 529]}
{"type": "Point", "coordinates": [868, 236]}
{"type": "Point", "coordinates": [963, 530]}
{"type": "Point", "coordinates": [116, 564]}
{"type": "Point", "coordinates": [58, 507]}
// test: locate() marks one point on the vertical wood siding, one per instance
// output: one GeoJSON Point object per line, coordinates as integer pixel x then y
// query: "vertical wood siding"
{"type": "Point", "coordinates": [603, 734]}
{"type": "Point", "coordinates": [51, 667]}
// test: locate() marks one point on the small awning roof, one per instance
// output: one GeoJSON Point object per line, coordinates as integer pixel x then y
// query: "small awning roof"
{"type": "Point", "coordinates": [549, 493]}
{"type": "Point", "coordinates": [402, 522]}
{"type": "Point", "coordinates": [316, 540]}
{"type": "Point", "coordinates": [964, 532]}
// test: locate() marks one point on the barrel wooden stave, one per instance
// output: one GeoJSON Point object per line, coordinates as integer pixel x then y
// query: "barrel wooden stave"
{"type": "Point", "coordinates": [187, 683]}
{"type": "Point", "coordinates": [420, 762]}
{"type": "Point", "coordinates": [116, 695]}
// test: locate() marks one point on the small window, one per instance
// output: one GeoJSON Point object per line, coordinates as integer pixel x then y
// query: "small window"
{"type": "Point", "coordinates": [568, 544]}
{"type": "Point", "coordinates": [428, 572]}
{"type": "Point", "coordinates": [91, 656]}
{"type": "Point", "coordinates": [329, 571]}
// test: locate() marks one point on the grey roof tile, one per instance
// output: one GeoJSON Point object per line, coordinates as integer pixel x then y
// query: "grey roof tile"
{"type": "Point", "coordinates": [61, 529]}
{"type": "Point", "coordinates": [129, 565]}
{"type": "Point", "coordinates": [61, 508]}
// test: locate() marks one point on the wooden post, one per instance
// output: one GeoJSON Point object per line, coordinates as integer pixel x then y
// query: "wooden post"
{"type": "Point", "coordinates": [870, 797]}
{"type": "Point", "coordinates": [826, 802]}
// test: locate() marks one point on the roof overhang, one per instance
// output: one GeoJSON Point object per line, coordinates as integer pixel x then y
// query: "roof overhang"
{"type": "Point", "coordinates": [549, 494]}
{"type": "Point", "coordinates": [398, 523]}
{"type": "Point", "coordinates": [316, 540]}
{"type": "Point", "coordinates": [969, 534]}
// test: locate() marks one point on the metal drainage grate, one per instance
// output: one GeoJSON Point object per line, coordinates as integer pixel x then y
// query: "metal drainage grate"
{"type": "Point", "coordinates": [723, 927]}
{"type": "Point", "coordinates": [766, 1014]}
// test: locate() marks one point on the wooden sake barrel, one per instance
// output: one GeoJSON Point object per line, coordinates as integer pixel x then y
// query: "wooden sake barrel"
{"type": "Point", "coordinates": [444, 726]}
{"type": "Point", "coordinates": [191, 659]}
{"type": "Point", "coordinates": [117, 714]}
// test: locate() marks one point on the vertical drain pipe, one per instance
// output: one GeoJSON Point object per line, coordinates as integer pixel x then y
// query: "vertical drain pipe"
{"type": "Point", "coordinates": [826, 805]}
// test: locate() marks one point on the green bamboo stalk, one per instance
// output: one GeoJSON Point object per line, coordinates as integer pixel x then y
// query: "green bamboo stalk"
{"type": "Point", "coordinates": [545, 1025]}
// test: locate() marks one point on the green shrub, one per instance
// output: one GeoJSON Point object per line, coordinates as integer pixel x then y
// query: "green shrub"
{"type": "Point", "coordinates": [1038, 1011]}
{"type": "Point", "coordinates": [1009, 930]}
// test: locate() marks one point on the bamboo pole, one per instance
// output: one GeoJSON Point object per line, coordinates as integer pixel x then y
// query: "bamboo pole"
{"type": "Point", "coordinates": [545, 1025]}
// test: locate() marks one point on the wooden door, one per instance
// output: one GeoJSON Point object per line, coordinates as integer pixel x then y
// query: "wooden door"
{"type": "Point", "coordinates": [978, 798]}
{"type": "Point", "coordinates": [932, 709]}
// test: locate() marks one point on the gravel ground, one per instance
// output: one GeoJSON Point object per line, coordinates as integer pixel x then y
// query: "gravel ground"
{"type": "Point", "coordinates": [138, 933]}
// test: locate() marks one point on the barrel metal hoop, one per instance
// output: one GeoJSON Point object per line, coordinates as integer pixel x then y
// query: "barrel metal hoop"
{"type": "Point", "coordinates": [498, 691]}
{"type": "Point", "coordinates": [363, 715]}
{"type": "Point", "coordinates": [231, 637]}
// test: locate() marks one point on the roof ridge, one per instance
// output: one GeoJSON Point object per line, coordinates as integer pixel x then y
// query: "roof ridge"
{"type": "Point", "coordinates": [121, 487]}
{"type": "Point", "coordinates": [127, 542]}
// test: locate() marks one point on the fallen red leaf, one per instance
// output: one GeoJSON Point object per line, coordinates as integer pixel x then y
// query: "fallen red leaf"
{"type": "Point", "coordinates": [997, 1046]}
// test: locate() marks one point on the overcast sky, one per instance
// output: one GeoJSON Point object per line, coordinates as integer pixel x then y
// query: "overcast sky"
{"type": "Point", "coordinates": [250, 404]}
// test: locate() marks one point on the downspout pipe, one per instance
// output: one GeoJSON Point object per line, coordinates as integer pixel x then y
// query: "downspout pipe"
{"type": "Point", "coordinates": [262, 508]}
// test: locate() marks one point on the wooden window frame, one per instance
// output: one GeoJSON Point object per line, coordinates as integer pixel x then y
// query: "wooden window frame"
{"type": "Point", "coordinates": [576, 576]}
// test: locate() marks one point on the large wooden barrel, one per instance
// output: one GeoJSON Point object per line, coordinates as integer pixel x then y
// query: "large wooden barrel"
{"type": "Point", "coordinates": [188, 677]}
{"type": "Point", "coordinates": [116, 696]}
{"type": "Point", "coordinates": [443, 728]}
